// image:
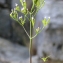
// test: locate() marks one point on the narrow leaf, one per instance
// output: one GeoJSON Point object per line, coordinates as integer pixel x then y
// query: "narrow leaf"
{"type": "Point", "coordinates": [17, 8]}
{"type": "Point", "coordinates": [33, 21]}
{"type": "Point", "coordinates": [24, 11]}
{"type": "Point", "coordinates": [37, 30]}
{"type": "Point", "coordinates": [24, 4]}
{"type": "Point", "coordinates": [45, 22]}
{"type": "Point", "coordinates": [21, 1]}
{"type": "Point", "coordinates": [44, 59]}
{"type": "Point", "coordinates": [22, 22]}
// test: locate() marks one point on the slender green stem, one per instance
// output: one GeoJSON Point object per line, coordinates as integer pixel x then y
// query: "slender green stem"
{"type": "Point", "coordinates": [34, 36]}
{"type": "Point", "coordinates": [27, 17]}
{"type": "Point", "coordinates": [32, 6]}
{"type": "Point", "coordinates": [26, 31]}
{"type": "Point", "coordinates": [30, 41]}
{"type": "Point", "coordinates": [23, 28]}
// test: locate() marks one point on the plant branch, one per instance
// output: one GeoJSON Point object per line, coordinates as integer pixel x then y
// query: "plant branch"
{"type": "Point", "coordinates": [26, 31]}
{"type": "Point", "coordinates": [30, 40]}
{"type": "Point", "coordinates": [37, 34]}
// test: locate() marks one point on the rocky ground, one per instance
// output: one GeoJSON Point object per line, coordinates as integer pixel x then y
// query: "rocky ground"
{"type": "Point", "coordinates": [12, 53]}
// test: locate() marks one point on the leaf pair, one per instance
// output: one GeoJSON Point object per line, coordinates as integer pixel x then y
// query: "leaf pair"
{"type": "Point", "coordinates": [37, 30]}
{"type": "Point", "coordinates": [22, 21]}
{"type": "Point", "coordinates": [14, 14]}
{"type": "Point", "coordinates": [24, 9]}
{"type": "Point", "coordinates": [45, 22]}
{"type": "Point", "coordinates": [33, 21]}
{"type": "Point", "coordinates": [17, 8]}
{"type": "Point", "coordinates": [45, 59]}
{"type": "Point", "coordinates": [38, 3]}
{"type": "Point", "coordinates": [23, 3]}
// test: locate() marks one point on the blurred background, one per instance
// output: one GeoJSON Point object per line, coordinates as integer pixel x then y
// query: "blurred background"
{"type": "Point", "coordinates": [13, 40]}
{"type": "Point", "coordinates": [14, 43]}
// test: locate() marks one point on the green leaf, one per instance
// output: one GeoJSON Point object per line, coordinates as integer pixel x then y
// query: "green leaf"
{"type": "Point", "coordinates": [24, 11]}
{"type": "Point", "coordinates": [11, 13]}
{"type": "Point", "coordinates": [17, 8]}
{"type": "Point", "coordinates": [22, 22]}
{"type": "Point", "coordinates": [14, 15]}
{"type": "Point", "coordinates": [39, 3]}
{"type": "Point", "coordinates": [24, 4]}
{"type": "Point", "coordinates": [37, 30]}
{"type": "Point", "coordinates": [45, 22]}
{"type": "Point", "coordinates": [44, 59]}
{"type": "Point", "coordinates": [21, 1]}
{"type": "Point", "coordinates": [42, 3]}
{"type": "Point", "coordinates": [35, 1]}
{"type": "Point", "coordinates": [33, 21]}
